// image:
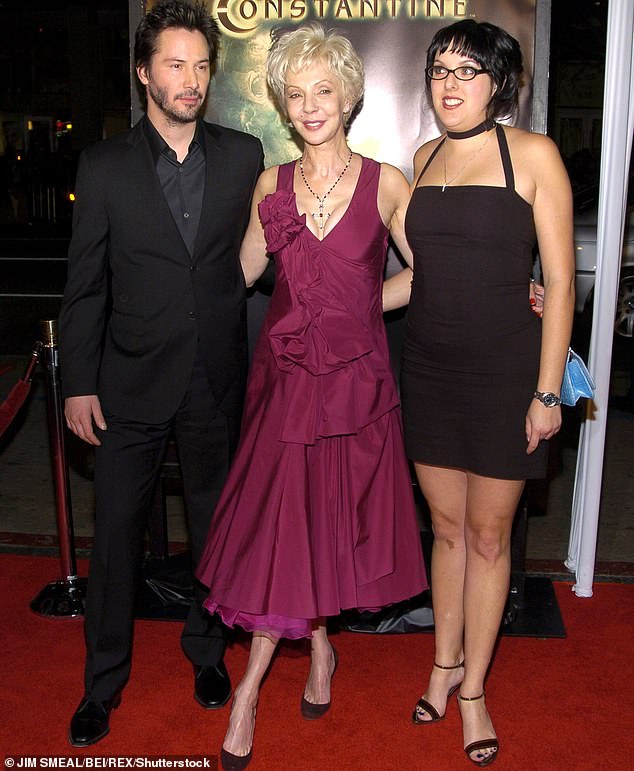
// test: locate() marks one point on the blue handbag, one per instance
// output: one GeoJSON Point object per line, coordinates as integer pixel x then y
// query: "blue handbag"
{"type": "Point", "coordinates": [577, 380]}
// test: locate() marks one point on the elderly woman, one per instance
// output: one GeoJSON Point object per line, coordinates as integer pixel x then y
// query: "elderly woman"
{"type": "Point", "coordinates": [317, 514]}
{"type": "Point", "coordinates": [480, 373]}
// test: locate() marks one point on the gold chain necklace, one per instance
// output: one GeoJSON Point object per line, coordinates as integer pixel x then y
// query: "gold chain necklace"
{"type": "Point", "coordinates": [321, 216]}
{"type": "Point", "coordinates": [464, 165]}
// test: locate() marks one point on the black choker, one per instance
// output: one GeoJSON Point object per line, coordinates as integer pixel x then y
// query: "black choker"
{"type": "Point", "coordinates": [486, 125]}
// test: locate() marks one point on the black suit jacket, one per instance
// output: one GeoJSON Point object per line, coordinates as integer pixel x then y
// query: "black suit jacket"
{"type": "Point", "coordinates": [137, 307]}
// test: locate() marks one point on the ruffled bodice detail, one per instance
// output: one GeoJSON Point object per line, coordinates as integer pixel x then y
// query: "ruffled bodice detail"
{"type": "Point", "coordinates": [309, 335]}
{"type": "Point", "coordinates": [326, 293]}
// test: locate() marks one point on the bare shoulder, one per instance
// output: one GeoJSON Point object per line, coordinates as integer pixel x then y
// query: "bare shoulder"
{"type": "Point", "coordinates": [540, 175]}
{"type": "Point", "coordinates": [392, 177]}
{"type": "Point", "coordinates": [267, 182]}
{"type": "Point", "coordinates": [422, 155]}
{"type": "Point", "coordinates": [393, 194]}
{"type": "Point", "coordinates": [531, 149]}
{"type": "Point", "coordinates": [393, 191]}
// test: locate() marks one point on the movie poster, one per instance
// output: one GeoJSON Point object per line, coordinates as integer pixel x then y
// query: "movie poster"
{"type": "Point", "coordinates": [392, 37]}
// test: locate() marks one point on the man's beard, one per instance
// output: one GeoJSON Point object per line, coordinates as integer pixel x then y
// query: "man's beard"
{"type": "Point", "coordinates": [184, 115]}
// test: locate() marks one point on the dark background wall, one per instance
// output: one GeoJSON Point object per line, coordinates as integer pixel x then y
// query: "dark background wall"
{"type": "Point", "coordinates": [64, 83]}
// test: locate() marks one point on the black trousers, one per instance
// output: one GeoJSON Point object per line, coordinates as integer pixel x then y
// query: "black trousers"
{"type": "Point", "coordinates": [126, 473]}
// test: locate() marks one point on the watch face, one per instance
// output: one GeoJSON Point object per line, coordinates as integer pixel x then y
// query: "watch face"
{"type": "Point", "coordinates": [550, 400]}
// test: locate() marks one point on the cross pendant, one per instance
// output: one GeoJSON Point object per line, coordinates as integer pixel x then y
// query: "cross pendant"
{"type": "Point", "coordinates": [320, 216]}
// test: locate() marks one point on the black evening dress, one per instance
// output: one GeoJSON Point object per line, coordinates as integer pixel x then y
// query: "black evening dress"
{"type": "Point", "coordinates": [472, 343]}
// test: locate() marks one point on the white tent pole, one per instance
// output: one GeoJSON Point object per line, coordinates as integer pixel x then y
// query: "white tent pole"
{"type": "Point", "coordinates": [618, 125]}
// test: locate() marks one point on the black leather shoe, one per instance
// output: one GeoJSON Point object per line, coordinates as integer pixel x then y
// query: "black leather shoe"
{"type": "Point", "coordinates": [89, 724]}
{"type": "Point", "coordinates": [212, 687]}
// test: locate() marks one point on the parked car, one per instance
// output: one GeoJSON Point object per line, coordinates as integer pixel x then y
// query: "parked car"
{"type": "Point", "coordinates": [585, 234]}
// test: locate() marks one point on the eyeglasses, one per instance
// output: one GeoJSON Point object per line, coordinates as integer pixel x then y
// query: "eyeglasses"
{"type": "Point", "coordinates": [466, 72]}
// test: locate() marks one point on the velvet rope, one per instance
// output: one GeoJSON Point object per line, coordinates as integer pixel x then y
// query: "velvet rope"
{"type": "Point", "coordinates": [17, 395]}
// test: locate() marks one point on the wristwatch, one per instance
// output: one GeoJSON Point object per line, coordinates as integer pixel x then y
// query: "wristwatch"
{"type": "Point", "coordinates": [547, 398]}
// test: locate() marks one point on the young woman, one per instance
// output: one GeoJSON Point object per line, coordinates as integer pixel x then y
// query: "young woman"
{"type": "Point", "coordinates": [480, 372]}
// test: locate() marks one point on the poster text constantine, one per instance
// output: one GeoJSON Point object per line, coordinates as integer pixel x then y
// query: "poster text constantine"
{"type": "Point", "coordinates": [240, 17]}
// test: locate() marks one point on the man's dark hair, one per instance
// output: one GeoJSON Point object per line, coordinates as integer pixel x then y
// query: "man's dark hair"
{"type": "Point", "coordinates": [174, 14]}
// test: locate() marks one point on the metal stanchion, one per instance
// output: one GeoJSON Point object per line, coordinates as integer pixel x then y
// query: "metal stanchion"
{"type": "Point", "coordinates": [65, 598]}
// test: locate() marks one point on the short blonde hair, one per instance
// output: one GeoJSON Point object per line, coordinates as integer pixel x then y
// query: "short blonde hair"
{"type": "Point", "coordinates": [304, 46]}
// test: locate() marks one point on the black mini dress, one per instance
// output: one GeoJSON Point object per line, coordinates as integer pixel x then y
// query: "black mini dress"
{"type": "Point", "coordinates": [472, 343]}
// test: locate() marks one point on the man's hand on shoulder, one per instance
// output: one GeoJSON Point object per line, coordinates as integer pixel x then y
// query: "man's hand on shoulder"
{"type": "Point", "coordinates": [80, 412]}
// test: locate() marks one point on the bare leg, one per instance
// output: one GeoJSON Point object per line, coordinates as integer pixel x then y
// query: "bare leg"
{"type": "Point", "coordinates": [322, 666]}
{"type": "Point", "coordinates": [491, 506]}
{"type": "Point", "coordinates": [446, 493]}
{"type": "Point", "coordinates": [239, 737]}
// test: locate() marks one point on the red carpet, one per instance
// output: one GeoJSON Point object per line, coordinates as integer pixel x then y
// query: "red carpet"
{"type": "Point", "coordinates": [557, 704]}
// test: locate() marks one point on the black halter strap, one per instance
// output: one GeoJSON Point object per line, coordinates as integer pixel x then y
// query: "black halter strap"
{"type": "Point", "coordinates": [430, 159]}
{"type": "Point", "coordinates": [505, 157]}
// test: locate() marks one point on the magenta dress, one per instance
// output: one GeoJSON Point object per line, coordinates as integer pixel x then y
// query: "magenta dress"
{"type": "Point", "coordinates": [317, 514]}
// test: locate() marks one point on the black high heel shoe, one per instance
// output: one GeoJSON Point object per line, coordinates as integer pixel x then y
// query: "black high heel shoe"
{"type": "Point", "coordinates": [482, 744]}
{"type": "Point", "coordinates": [422, 705]}
{"type": "Point", "coordinates": [315, 711]}
{"type": "Point", "coordinates": [231, 762]}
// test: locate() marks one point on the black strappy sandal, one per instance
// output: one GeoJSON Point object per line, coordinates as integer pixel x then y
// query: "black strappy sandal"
{"type": "Point", "coordinates": [483, 744]}
{"type": "Point", "coordinates": [423, 705]}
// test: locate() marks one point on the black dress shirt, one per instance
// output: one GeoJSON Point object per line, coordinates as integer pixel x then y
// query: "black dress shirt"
{"type": "Point", "coordinates": [183, 183]}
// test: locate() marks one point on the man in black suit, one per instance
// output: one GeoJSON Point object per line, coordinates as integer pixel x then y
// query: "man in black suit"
{"type": "Point", "coordinates": [153, 337]}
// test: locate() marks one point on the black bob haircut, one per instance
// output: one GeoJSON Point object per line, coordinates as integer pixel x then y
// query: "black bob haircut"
{"type": "Point", "coordinates": [494, 50]}
{"type": "Point", "coordinates": [174, 14]}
